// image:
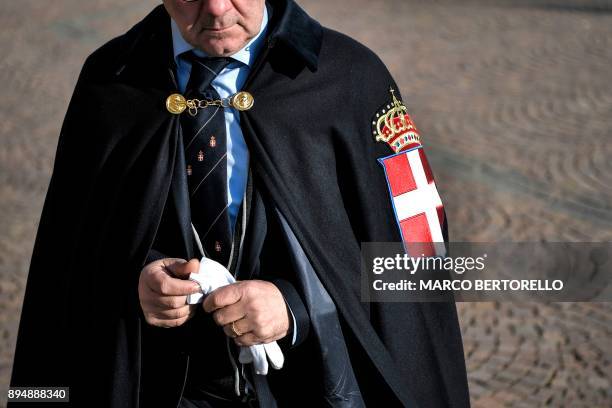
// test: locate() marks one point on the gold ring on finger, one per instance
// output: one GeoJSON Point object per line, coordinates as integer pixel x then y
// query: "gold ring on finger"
{"type": "Point", "coordinates": [237, 333]}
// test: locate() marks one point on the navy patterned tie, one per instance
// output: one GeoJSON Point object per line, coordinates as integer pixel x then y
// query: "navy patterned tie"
{"type": "Point", "coordinates": [205, 142]}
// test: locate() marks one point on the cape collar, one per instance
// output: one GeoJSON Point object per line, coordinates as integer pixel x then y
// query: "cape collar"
{"type": "Point", "coordinates": [297, 30]}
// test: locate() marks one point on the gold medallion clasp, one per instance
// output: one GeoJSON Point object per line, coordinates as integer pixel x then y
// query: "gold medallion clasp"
{"type": "Point", "coordinates": [176, 104]}
{"type": "Point", "coordinates": [242, 101]}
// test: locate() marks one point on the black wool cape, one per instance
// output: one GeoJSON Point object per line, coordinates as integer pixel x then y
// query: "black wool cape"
{"type": "Point", "coordinates": [312, 155]}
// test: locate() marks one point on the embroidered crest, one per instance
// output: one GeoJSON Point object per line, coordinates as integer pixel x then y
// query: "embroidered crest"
{"type": "Point", "coordinates": [394, 126]}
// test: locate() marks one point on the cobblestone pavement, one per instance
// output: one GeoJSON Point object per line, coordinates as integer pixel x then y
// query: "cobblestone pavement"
{"type": "Point", "coordinates": [513, 99]}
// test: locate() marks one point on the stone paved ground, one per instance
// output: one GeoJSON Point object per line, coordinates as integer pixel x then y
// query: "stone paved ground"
{"type": "Point", "coordinates": [513, 99]}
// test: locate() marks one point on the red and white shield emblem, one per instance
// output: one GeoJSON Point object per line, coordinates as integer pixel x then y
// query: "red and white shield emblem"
{"type": "Point", "coordinates": [418, 208]}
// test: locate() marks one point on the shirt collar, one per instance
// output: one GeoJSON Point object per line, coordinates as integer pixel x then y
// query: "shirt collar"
{"type": "Point", "coordinates": [246, 55]}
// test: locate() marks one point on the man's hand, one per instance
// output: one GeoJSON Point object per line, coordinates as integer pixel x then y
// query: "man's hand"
{"type": "Point", "coordinates": [256, 307]}
{"type": "Point", "coordinates": [163, 288]}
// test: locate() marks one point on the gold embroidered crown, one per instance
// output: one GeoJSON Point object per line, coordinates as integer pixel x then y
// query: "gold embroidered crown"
{"type": "Point", "coordinates": [394, 126]}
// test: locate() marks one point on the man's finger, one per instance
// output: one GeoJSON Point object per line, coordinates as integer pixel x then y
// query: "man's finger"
{"type": "Point", "coordinates": [248, 339]}
{"type": "Point", "coordinates": [173, 314]}
{"type": "Point", "coordinates": [182, 269]}
{"type": "Point", "coordinates": [168, 302]}
{"type": "Point", "coordinates": [229, 314]}
{"type": "Point", "coordinates": [164, 284]}
{"type": "Point", "coordinates": [240, 328]}
{"type": "Point", "coordinates": [167, 323]}
{"type": "Point", "coordinates": [224, 296]}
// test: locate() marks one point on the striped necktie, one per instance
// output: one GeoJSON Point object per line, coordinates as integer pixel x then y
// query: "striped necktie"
{"type": "Point", "coordinates": [205, 143]}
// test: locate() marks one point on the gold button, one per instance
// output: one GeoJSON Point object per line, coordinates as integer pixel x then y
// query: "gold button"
{"type": "Point", "coordinates": [242, 101]}
{"type": "Point", "coordinates": [176, 103]}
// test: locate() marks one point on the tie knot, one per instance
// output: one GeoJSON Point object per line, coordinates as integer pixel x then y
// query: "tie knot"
{"type": "Point", "coordinates": [203, 70]}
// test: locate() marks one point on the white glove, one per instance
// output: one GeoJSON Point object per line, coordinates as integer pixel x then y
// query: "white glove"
{"type": "Point", "coordinates": [213, 275]}
{"type": "Point", "coordinates": [257, 355]}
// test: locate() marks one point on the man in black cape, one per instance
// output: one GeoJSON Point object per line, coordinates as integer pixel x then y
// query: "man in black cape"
{"type": "Point", "coordinates": [118, 201]}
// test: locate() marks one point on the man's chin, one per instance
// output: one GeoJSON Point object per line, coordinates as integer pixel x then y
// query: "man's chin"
{"type": "Point", "coordinates": [220, 46]}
